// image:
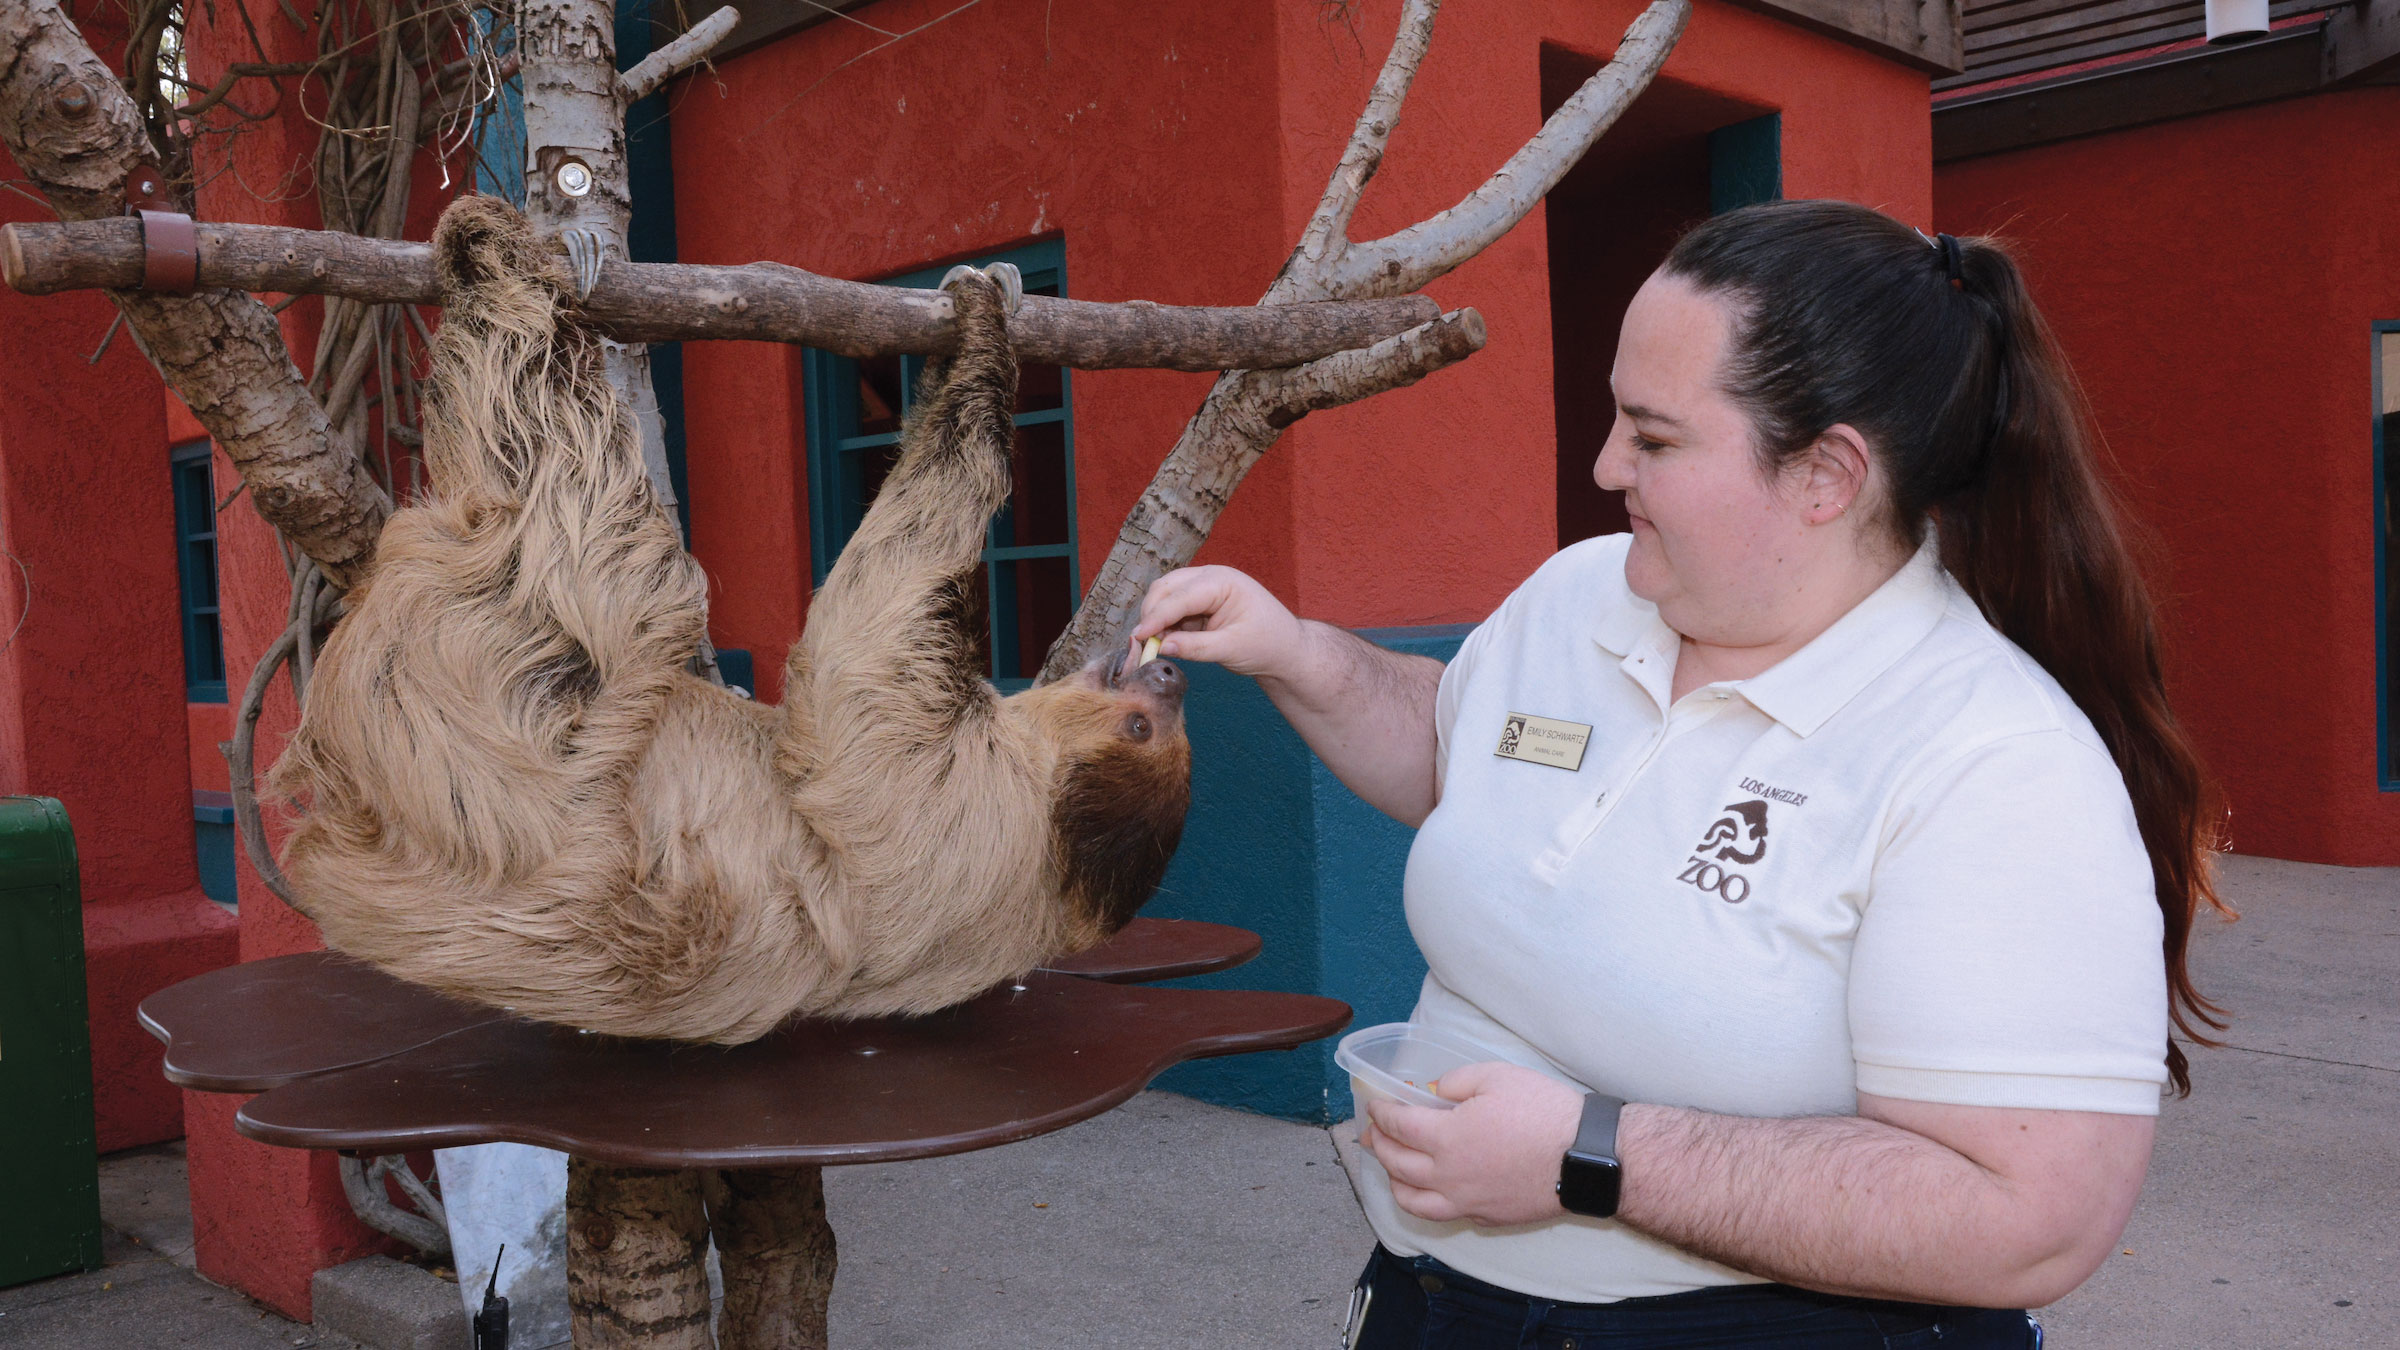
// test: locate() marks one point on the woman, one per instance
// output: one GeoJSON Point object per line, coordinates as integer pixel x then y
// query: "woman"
{"type": "Point", "coordinates": [1835, 832]}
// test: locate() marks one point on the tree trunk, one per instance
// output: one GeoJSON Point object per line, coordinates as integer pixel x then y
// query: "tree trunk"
{"type": "Point", "coordinates": [777, 1254]}
{"type": "Point", "coordinates": [637, 1244]}
{"type": "Point", "coordinates": [76, 134]}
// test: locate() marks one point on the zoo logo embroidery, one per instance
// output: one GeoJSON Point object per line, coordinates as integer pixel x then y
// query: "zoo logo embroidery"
{"type": "Point", "coordinates": [1743, 823]}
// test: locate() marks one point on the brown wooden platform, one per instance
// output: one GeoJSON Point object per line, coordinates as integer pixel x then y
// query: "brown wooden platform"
{"type": "Point", "coordinates": [671, 1145]}
{"type": "Point", "coordinates": [347, 1057]}
{"type": "Point", "coordinates": [1010, 1065]}
{"type": "Point", "coordinates": [316, 1012]}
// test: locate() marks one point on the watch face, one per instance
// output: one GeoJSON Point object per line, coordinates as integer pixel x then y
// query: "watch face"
{"type": "Point", "coordinates": [1588, 1184]}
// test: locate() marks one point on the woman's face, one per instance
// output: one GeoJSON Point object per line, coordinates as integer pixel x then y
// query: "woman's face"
{"type": "Point", "coordinates": [1720, 548]}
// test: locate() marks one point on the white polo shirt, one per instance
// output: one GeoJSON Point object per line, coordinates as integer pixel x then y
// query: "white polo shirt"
{"type": "Point", "coordinates": [1899, 862]}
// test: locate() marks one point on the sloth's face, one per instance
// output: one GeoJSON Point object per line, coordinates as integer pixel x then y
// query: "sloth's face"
{"type": "Point", "coordinates": [1124, 782]}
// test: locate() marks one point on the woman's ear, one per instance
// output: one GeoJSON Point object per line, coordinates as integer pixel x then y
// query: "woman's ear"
{"type": "Point", "coordinates": [1835, 474]}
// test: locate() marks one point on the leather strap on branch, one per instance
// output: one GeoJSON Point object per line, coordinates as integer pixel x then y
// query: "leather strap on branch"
{"type": "Point", "coordinates": [170, 246]}
{"type": "Point", "coordinates": [170, 253]}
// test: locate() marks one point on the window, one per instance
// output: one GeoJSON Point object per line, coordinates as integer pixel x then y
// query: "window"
{"type": "Point", "coordinates": [1029, 585]}
{"type": "Point", "coordinates": [2386, 359]}
{"type": "Point", "coordinates": [196, 563]}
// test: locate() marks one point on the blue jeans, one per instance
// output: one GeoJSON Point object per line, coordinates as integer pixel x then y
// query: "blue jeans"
{"type": "Point", "coordinates": [1420, 1304]}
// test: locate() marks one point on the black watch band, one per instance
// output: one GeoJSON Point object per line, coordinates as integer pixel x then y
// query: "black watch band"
{"type": "Point", "coordinates": [1589, 1176]}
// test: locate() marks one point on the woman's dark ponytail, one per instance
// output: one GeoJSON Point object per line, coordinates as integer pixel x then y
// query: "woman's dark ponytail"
{"type": "Point", "coordinates": [1932, 349]}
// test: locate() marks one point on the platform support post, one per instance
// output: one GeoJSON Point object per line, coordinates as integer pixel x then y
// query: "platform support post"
{"type": "Point", "coordinates": [777, 1254]}
{"type": "Point", "coordinates": [637, 1246]}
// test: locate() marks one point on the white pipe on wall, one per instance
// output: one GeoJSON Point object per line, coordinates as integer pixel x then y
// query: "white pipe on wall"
{"type": "Point", "coordinates": [2236, 20]}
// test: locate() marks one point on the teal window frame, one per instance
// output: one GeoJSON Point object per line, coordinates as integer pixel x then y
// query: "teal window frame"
{"type": "Point", "coordinates": [2387, 632]}
{"type": "Point", "coordinates": [192, 466]}
{"type": "Point", "coordinates": [838, 462]}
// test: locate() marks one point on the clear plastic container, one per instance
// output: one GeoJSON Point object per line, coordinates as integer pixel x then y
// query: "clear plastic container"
{"type": "Point", "coordinates": [1401, 1061]}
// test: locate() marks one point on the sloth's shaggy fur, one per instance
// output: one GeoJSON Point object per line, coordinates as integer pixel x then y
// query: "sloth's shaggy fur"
{"type": "Point", "coordinates": [511, 789]}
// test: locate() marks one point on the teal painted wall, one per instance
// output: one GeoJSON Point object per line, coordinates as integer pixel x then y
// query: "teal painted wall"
{"type": "Point", "coordinates": [1745, 164]}
{"type": "Point", "coordinates": [1275, 844]}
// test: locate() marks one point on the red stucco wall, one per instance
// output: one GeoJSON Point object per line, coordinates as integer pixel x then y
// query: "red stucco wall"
{"type": "Point", "coordinates": [2213, 280]}
{"type": "Point", "coordinates": [1177, 148]}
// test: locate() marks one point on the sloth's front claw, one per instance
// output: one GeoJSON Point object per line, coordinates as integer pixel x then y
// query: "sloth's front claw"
{"type": "Point", "coordinates": [1001, 274]}
{"type": "Point", "coordinates": [584, 252]}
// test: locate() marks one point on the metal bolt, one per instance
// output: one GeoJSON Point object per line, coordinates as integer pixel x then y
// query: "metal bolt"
{"type": "Point", "coordinates": [575, 178]}
{"type": "Point", "coordinates": [72, 100]}
{"type": "Point", "coordinates": [599, 1232]}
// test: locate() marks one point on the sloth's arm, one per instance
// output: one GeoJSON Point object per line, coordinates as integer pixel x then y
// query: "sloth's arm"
{"type": "Point", "coordinates": [888, 633]}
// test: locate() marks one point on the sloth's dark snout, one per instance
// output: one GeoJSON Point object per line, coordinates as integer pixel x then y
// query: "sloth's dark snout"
{"type": "Point", "coordinates": [1163, 678]}
{"type": "Point", "coordinates": [1158, 677]}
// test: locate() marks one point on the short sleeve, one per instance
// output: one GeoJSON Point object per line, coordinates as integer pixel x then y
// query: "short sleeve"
{"type": "Point", "coordinates": [1446, 696]}
{"type": "Point", "coordinates": [2009, 952]}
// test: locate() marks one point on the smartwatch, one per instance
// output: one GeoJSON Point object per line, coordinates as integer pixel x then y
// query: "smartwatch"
{"type": "Point", "coordinates": [1589, 1177]}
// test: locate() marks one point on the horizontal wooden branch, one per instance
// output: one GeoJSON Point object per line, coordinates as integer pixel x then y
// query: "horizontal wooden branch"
{"type": "Point", "coordinates": [769, 302]}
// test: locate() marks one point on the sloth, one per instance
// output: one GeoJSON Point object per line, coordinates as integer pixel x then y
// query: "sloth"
{"type": "Point", "coordinates": [510, 787]}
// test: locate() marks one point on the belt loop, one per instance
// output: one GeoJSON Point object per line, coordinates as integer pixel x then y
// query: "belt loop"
{"type": "Point", "coordinates": [1537, 1312]}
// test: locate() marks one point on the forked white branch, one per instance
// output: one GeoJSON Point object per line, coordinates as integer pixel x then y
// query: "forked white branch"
{"type": "Point", "coordinates": [1245, 411]}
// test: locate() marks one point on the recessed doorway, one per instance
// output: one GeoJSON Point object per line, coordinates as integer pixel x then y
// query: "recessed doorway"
{"type": "Point", "coordinates": [1679, 153]}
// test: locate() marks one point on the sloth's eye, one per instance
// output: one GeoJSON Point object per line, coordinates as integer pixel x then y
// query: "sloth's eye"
{"type": "Point", "coordinates": [1137, 728]}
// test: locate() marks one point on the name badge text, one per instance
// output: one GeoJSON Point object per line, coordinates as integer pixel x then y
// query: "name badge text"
{"type": "Point", "coordinates": [1544, 740]}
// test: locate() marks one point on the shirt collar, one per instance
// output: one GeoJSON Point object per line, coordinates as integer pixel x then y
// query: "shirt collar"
{"type": "Point", "coordinates": [1805, 689]}
{"type": "Point", "coordinates": [1625, 619]}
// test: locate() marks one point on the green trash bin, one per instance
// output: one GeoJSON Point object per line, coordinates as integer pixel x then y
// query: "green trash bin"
{"type": "Point", "coordinates": [49, 1164]}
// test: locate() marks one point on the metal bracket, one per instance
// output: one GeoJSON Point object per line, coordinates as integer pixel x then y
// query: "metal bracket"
{"type": "Point", "coordinates": [146, 190]}
{"type": "Point", "coordinates": [428, 1230]}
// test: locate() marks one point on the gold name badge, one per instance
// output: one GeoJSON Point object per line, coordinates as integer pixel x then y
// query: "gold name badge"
{"type": "Point", "coordinates": [1544, 740]}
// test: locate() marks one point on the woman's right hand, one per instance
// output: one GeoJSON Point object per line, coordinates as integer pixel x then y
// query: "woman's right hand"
{"type": "Point", "coordinates": [1224, 617]}
{"type": "Point", "coordinates": [1367, 712]}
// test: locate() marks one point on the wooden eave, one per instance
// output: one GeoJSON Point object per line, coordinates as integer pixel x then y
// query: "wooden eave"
{"type": "Point", "coordinates": [1925, 34]}
{"type": "Point", "coordinates": [2350, 46]}
{"type": "Point", "coordinates": [2011, 39]}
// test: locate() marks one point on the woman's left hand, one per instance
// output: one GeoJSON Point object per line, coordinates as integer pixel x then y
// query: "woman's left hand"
{"type": "Point", "coordinates": [1492, 1159]}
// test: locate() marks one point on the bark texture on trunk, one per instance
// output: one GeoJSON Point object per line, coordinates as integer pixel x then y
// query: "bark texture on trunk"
{"type": "Point", "coordinates": [77, 135]}
{"type": "Point", "coordinates": [637, 1243]}
{"type": "Point", "coordinates": [777, 1254]}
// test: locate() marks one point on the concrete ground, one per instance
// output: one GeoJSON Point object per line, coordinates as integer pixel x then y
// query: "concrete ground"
{"type": "Point", "coordinates": [2272, 1214]}
{"type": "Point", "coordinates": [2271, 1218]}
{"type": "Point", "coordinates": [146, 1296]}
